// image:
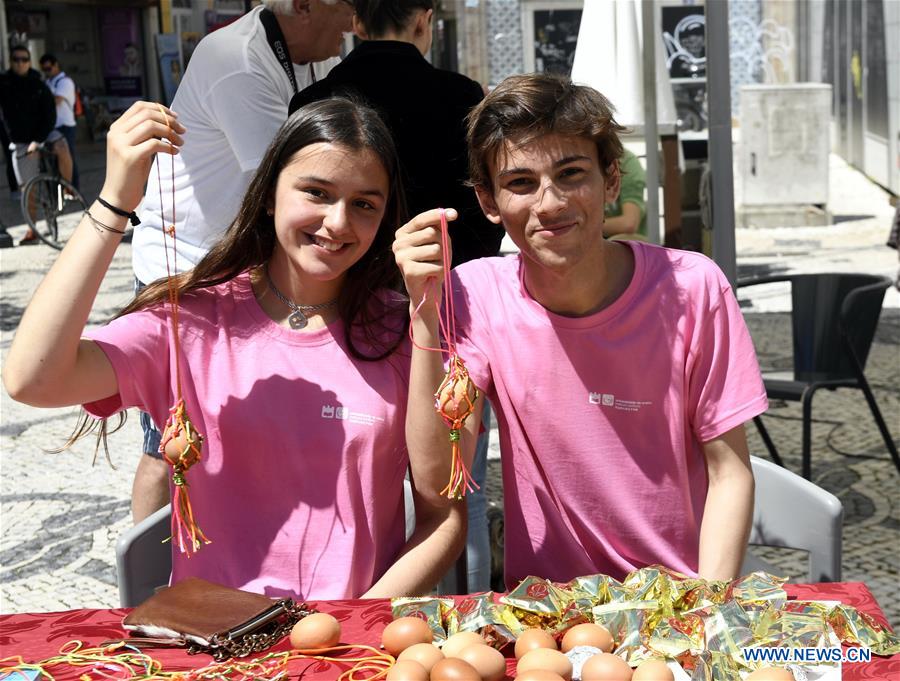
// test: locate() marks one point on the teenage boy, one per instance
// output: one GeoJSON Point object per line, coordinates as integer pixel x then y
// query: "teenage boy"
{"type": "Point", "coordinates": [621, 372]}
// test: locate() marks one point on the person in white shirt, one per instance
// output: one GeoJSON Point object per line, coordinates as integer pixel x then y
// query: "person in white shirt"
{"type": "Point", "coordinates": [63, 89]}
{"type": "Point", "coordinates": [232, 99]}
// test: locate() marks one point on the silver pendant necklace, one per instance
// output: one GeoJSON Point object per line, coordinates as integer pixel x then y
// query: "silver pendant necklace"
{"type": "Point", "coordinates": [297, 319]}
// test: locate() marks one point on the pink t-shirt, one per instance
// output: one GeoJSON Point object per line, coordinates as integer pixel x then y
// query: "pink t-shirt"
{"type": "Point", "coordinates": [300, 487]}
{"type": "Point", "coordinates": [601, 417]}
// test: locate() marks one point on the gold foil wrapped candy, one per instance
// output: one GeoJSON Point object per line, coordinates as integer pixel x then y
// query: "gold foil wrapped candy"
{"type": "Point", "coordinates": [494, 622]}
{"type": "Point", "coordinates": [432, 610]}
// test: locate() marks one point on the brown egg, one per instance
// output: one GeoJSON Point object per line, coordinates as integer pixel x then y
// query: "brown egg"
{"type": "Point", "coordinates": [316, 632]}
{"type": "Point", "coordinates": [454, 645]}
{"type": "Point", "coordinates": [454, 669]}
{"type": "Point", "coordinates": [605, 667]}
{"type": "Point", "coordinates": [587, 635]}
{"type": "Point", "coordinates": [407, 670]}
{"type": "Point", "coordinates": [653, 670]}
{"type": "Point", "coordinates": [456, 398]}
{"type": "Point", "coordinates": [182, 445]}
{"type": "Point", "coordinates": [538, 675]}
{"type": "Point", "coordinates": [549, 660]}
{"type": "Point", "coordinates": [488, 662]}
{"type": "Point", "coordinates": [404, 632]}
{"type": "Point", "coordinates": [533, 638]}
{"type": "Point", "coordinates": [426, 654]}
{"type": "Point", "coordinates": [771, 674]}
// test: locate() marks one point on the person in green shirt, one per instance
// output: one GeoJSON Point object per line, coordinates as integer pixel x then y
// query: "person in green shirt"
{"type": "Point", "coordinates": [628, 213]}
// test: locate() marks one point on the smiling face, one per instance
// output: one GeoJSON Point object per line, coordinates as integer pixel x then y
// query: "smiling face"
{"type": "Point", "coordinates": [549, 195]}
{"type": "Point", "coordinates": [328, 205]}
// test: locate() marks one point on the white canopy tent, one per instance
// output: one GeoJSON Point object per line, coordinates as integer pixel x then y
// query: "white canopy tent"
{"type": "Point", "coordinates": [608, 57]}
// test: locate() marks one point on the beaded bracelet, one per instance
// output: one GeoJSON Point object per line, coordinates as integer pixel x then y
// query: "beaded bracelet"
{"type": "Point", "coordinates": [100, 227]}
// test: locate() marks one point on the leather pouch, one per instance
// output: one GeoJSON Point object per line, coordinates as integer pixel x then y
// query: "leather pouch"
{"type": "Point", "coordinates": [210, 618]}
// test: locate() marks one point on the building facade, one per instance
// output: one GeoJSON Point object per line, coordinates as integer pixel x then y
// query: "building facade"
{"type": "Point", "coordinates": [119, 50]}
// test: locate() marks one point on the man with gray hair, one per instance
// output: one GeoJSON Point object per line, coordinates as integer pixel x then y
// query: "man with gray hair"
{"type": "Point", "coordinates": [233, 98]}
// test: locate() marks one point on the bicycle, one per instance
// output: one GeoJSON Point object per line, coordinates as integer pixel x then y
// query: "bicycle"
{"type": "Point", "coordinates": [51, 206]}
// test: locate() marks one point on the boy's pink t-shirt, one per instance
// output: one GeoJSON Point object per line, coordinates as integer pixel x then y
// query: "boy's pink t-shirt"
{"type": "Point", "coordinates": [300, 487]}
{"type": "Point", "coordinates": [602, 417]}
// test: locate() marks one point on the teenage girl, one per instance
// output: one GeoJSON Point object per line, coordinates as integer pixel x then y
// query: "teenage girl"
{"type": "Point", "coordinates": [291, 352]}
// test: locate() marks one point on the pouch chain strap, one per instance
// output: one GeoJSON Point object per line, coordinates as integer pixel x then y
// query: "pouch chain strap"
{"type": "Point", "coordinates": [277, 624]}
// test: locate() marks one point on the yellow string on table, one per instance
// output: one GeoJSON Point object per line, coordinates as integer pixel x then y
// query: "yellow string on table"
{"type": "Point", "coordinates": [137, 666]}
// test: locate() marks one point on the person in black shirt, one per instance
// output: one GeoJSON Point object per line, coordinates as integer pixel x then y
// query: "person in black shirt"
{"type": "Point", "coordinates": [425, 109]}
{"type": "Point", "coordinates": [29, 113]}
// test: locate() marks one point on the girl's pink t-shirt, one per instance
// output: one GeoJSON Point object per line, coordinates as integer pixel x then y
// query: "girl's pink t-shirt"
{"type": "Point", "coordinates": [602, 417]}
{"type": "Point", "coordinates": [300, 487]}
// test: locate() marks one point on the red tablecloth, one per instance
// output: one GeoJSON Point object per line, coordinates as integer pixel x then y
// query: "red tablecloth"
{"type": "Point", "coordinates": [39, 636]}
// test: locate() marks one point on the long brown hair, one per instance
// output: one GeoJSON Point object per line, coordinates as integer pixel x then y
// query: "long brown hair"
{"type": "Point", "coordinates": [371, 319]}
{"type": "Point", "coordinates": [371, 304]}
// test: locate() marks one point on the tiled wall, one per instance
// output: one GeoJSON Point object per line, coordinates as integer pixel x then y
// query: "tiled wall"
{"type": "Point", "coordinates": [743, 18]}
{"type": "Point", "coordinates": [504, 34]}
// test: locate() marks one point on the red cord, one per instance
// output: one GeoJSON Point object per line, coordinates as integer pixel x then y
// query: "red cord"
{"type": "Point", "coordinates": [455, 397]}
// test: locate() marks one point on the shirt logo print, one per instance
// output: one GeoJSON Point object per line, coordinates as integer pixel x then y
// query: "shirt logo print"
{"type": "Point", "coordinates": [619, 404]}
{"type": "Point", "coordinates": [341, 413]}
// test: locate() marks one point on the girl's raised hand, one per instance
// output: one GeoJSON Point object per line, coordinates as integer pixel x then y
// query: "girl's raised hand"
{"type": "Point", "coordinates": [144, 130]}
{"type": "Point", "coordinates": [419, 254]}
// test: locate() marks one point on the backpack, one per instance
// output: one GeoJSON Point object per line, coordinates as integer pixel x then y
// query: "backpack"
{"type": "Point", "coordinates": [78, 107]}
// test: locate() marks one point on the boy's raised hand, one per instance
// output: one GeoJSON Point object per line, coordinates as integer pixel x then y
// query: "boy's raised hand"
{"type": "Point", "coordinates": [419, 254]}
{"type": "Point", "coordinates": [144, 130]}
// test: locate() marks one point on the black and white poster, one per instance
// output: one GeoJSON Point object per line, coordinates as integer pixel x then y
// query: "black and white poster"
{"type": "Point", "coordinates": [684, 36]}
{"type": "Point", "coordinates": [555, 36]}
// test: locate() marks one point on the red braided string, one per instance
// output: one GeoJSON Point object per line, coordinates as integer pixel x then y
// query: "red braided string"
{"type": "Point", "coordinates": [453, 407]}
{"type": "Point", "coordinates": [181, 443]}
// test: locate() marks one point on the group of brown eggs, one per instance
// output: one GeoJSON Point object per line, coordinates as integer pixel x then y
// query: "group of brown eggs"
{"type": "Point", "coordinates": [466, 656]}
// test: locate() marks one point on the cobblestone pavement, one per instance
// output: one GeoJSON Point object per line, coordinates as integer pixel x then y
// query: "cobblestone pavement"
{"type": "Point", "coordinates": [60, 516]}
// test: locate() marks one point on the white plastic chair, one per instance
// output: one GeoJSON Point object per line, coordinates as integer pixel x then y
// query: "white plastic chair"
{"type": "Point", "coordinates": [791, 512]}
{"type": "Point", "coordinates": [143, 562]}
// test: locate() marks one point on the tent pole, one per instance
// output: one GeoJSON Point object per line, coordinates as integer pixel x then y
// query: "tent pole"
{"type": "Point", "coordinates": [718, 84]}
{"type": "Point", "coordinates": [651, 136]}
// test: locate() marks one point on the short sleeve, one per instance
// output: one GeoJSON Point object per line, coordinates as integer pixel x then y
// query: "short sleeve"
{"type": "Point", "coordinates": [725, 387]}
{"type": "Point", "coordinates": [137, 346]}
{"type": "Point", "coordinates": [67, 89]}
{"type": "Point", "coordinates": [250, 121]}
{"type": "Point", "coordinates": [634, 182]}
